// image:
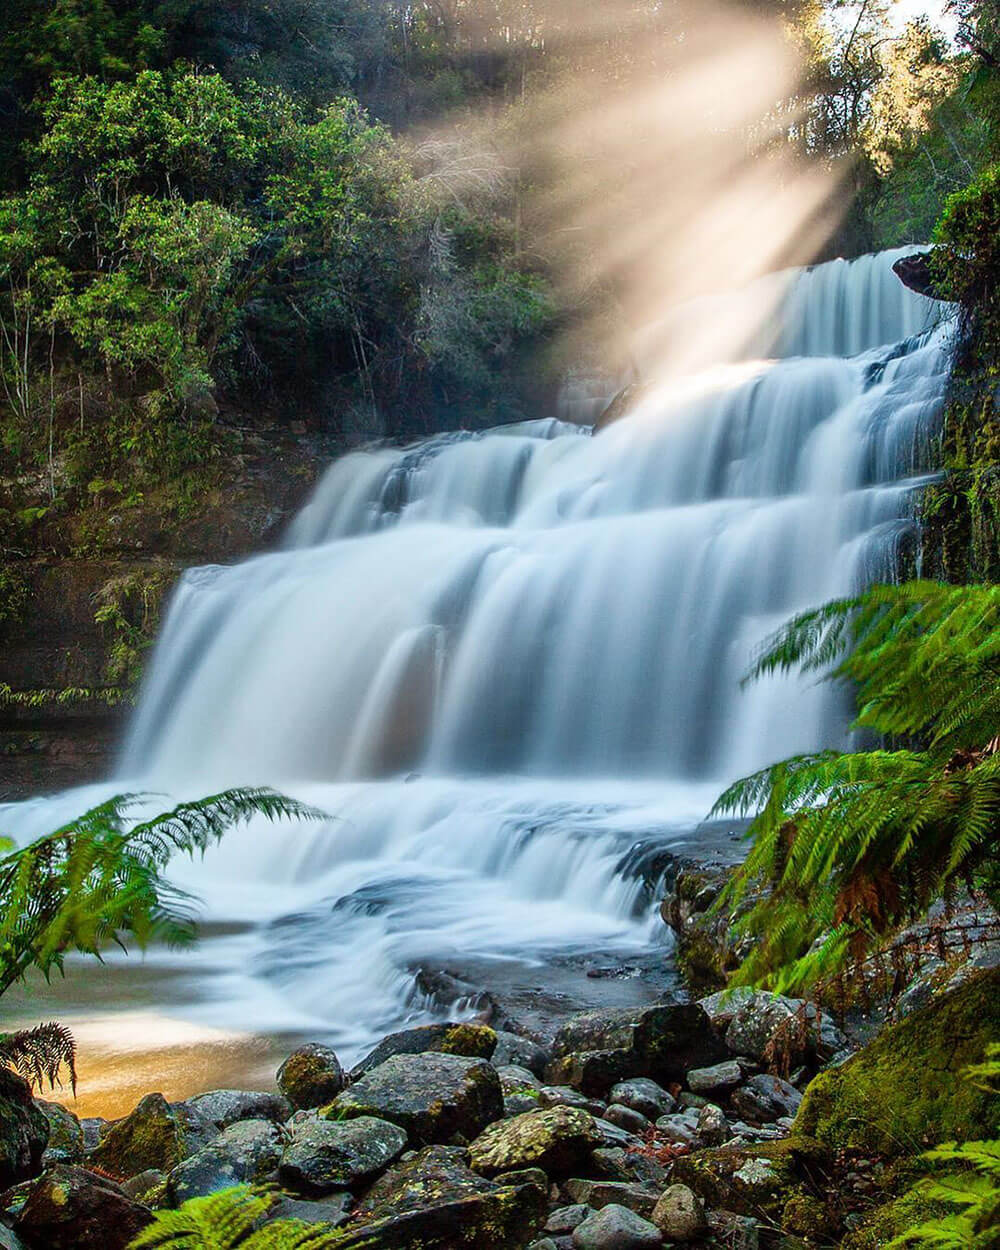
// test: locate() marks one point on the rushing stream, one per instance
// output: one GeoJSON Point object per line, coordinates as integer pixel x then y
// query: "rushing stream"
{"type": "Point", "coordinates": [508, 666]}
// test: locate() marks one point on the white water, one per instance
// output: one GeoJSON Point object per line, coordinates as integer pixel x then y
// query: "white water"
{"type": "Point", "coordinates": [503, 660]}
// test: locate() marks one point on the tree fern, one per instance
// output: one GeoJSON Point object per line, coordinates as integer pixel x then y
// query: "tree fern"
{"type": "Point", "coordinates": [229, 1219]}
{"type": "Point", "coordinates": [99, 879]}
{"type": "Point", "coordinates": [848, 847]}
{"type": "Point", "coordinates": [40, 1054]}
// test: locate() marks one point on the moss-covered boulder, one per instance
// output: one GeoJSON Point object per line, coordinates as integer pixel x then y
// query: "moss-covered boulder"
{"type": "Point", "coordinates": [24, 1130]}
{"type": "Point", "coordinates": [154, 1135]}
{"type": "Point", "coordinates": [432, 1176]}
{"type": "Point", "coordinates": [65, 1144]}
{"type": "Point", "coordinates": [905, 1091]}
{"type": "Point", "coordinates": [753, 1180]}
{"type": "Point", "coordinates": [557, 1139]}
{"type": "Point", "coordinates": [436, 1098]}
{"type": "Point", "coordinates": [245, 1152]}
{"type": "Point", "coordinates": [473, 1041]}
{"type": "Point", "coordinates": [71, 1208]}
{"type": "Point", "coordinates": [311, 1076]}
{"type": "Point", "coordinates": [339, 1154]}
{"type": "Point", "coordinates": [223, 1107]}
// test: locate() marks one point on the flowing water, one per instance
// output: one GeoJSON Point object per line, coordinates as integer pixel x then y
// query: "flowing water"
{"type": "Point", "coordinates": [507, 664]}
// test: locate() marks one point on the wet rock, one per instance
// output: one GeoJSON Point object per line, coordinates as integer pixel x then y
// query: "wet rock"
{"type": "Point", "coordinates": [626, 1118]}
{"type": "Point", "coordinates": [544, 1243]}
{"type": "Point", "coordinates": [496, 1218]}
{"type": "Point", "coordinates": [524, 1176]}
{"type": "Point", "coordinates": [613, 1135]}
{"type": "Point", "coordinates": [678, 1131]}
{"type": "Point", "coordinates": [472, 1041]}
{"type": "Point", "coordinates": [556, 1139]}
{"type": "Point", "coordinates": [768, 1025]}
{"type": "Point", "coordinates": [245, 1152]}
{"type": "Point", "coordinates": [736, 1232]}
{"type": "Point", "coordinates": [599, 1194]}
{"type": "Point", "coordinates": [65, 1144]}
{"type": "Point", "coordinates": [686, 1101]}
{"type": "Point", "coordinates": [679, 1214]}
{"type": "Point", "coordinates": [717, 1079]}
{"type": "Point", "coordinates": [722, 1006]}
{"type": "Point", "coordinates": [140, 1186]}
{"type": "Point", "coordinates": [611, 1164]}
{"type": "Point", "coordinates": [915, 272]}
{"type": "Point", "coordinates": [643, 1095]}
{"type": "Point", "coordinates": [764, 1099]}
{"type": "Point", "coordinates": [567, 1096]}
{"type": "Point", "coordinates": [597, 1049]}
{"type": "Point", "coordinates": [311, 1076]}
{"type": "Point", "coordinates": [518, 1104]}
{"type": "Point", "coordinates": [616, 1228]}
{"type": "Point", "coordinates": [565, 1219]}
{"type": "Point", "coordinates": [338, 1154]}
{"type": "Point", "coordinates": [93, 1128]}
{"type": "Point", "coordinates": [712, 1126]}
{"type": "Point", "coordinates": [223, 1107]}
{"type": "Point", "coordinates": [24, 1130]}
{"type": "Point", "coordinates": [517, 1080]}
{"type": "Point", "coordinates": [512, 1048]}
{"type": "Point", "coordinates": [70, 1208]}
{"type": "Point", "coordinates": [155, 1135]}
{"type": "Point", "coordinates": [436, 1098]}
{"type": "Point", "coordinates": [750, 1180]}
{"type": "Point", "coordinates": [435, 1174]}
{"type": "Point", "coordinates": [331, 1209]}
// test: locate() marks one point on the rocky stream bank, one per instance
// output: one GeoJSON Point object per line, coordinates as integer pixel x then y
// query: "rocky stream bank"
{"type": "Point", "coordinates": [743, 1120]}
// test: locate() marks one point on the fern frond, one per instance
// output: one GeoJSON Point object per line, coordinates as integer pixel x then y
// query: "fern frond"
{"type": "Point", "coordinates": [39, 1054]}
{"type": "Point", "coordinates": [232, 1219]}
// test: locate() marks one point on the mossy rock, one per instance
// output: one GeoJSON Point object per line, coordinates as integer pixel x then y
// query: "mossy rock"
{"type": "Point", "coordinates": [904, 1091]}
{"type": "Point", "coordinates": [24, 1130]}
{"type": "Point", "coordinates": [470, 1041]}
{"type": "Point", "coordinates": [891, 1218]}
{"type": "Point", "coordinates": [311, 1076]}
{"type": "Point", "coordinates": [557, 1140]}
{"type": "Point", "coordinates": [753, 1180]}
{"type": "Point", "coordinates": [155, 1135]}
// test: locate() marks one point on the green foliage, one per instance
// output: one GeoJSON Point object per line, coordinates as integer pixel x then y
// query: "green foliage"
{"type": "Point", "coordinates": [39, 1054]}
{"type": "Point", "coordinates": [229, 1219]}
{"type": "Point", "coordinates": [848, 847]}
{"type": "Point", "coordinates": [971, 1193]}
{"type": "Point", "coordinates": [129, 607]}
{"type": "Point", "coordinates": [100, 878]}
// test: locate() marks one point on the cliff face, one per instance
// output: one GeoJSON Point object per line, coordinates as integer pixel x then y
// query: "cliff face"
{"type": "Point", "coordinates": [83, 607]}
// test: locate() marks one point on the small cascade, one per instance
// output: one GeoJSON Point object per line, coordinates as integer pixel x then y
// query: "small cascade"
{"type": "Point", "coordinates": [502, 661]}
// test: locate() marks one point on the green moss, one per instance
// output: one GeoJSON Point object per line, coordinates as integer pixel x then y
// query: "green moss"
{"type": "Point", "coordinates": [702, 962]}
{"type": "Point", "coordinates": [806, 1216]}
{"type": "Point", "coordinates": [890, 1219]}
{"type": "Point", "coordinates": [152, 1137]}
{"type": "Point", "coordinates": [473, 1041]}
{"type": "Point", "coordinates": [903, 1092]}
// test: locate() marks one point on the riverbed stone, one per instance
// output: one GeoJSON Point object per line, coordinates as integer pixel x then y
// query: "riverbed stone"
{"type": "Point", "coordinates": [339, 1154]}
{"type": "Point", "coordinates": [712, 1126]}
{"type": "Point", "coordinates": [643, 1095]}
{"type": "Point", "coordinates": [679, 1214]}
{"type": "Point", "coordinates": [71, 1208]}
{"type": "Point", "coordinates": [512, 1048]}
{"type": "Point", "coordinates": [65, 1144]}
{"type": "Point", "coordinates": [24, 1130]}
{"type": "Point", "coordinates": [556, 1139]}
{"type": "Point", "coordinates": [717, 1079]}
{"type": "Point", "coordinates": [624, 1117]}
{"type": "Point", "coordinates": [597, 1194]}
{"type": "Point", "coordinates": [753, 1180]}
{"type": "Point", "coordinates": [678, 1130]}
{"type": "Point", "coordinates": [595, 1050]}
{"type": "Point", "coordinates": [157, 1134]}
{"type": "Point", "coordinates": [472, 1041]}
{"type": "Point", "coordinates": [435, 1097]}
{"type": "Point", "coordinates": [564, 1219]}
{"type": "Point", "coordinates": [223, 1107]}
{"type": "Point", "coordinates": [767, 1026]}
{"type": "Point", "coordinates": [764, 1099]}
{"type": "Point", "coordinates": [567, 1096]}
{"type": "Point", "coordinates": [616, 1228]}
{"type": "Point", "coordinates": [432, 1175]}
{"type": "Point", "coordinates": [311, 1076]}
{"type": "Point", "coordinates": [517, 1080]}
{"type": "Point", "coordinates": [244, 1152]}
{"type": "Point", "coordinates": [332, 1208]}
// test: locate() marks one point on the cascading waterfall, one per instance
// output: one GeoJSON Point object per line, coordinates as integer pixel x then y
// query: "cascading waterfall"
{"type": "Point", "coordinates": [504, 661]}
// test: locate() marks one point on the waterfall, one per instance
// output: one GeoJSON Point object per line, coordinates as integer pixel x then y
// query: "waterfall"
{"type": "Point", "coordinates": [502, 661]}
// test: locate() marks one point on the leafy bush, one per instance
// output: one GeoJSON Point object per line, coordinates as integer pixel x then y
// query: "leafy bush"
{"type": "Point", "coordinates": [848, 847]}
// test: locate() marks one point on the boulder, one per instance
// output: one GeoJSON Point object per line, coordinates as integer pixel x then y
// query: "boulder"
{"type": "Point", "coordinates": [339, 1154]}
{"type": "Point", "coordinates": [643, 1095]}
{"type": "Point", "coordinates": [679, 1214]}
{"type": "Point", "coordinates": [65, 1144]}
{"type": "Point", "coordinates": [70, 1208]}
{"type": "Point", "coordinates": [155, 1135]}
{"type": "Point", "coordinates": [767, 1026]}
{"type": "Point", "coordinates": [436, 1174]}
{"type": "Point", "coordinates": [678, 1131]}
{"type": "Point", "coordinates": [564, 1219]}
{"type": "Point", "coordinates": [567, 1096]}
{"type": "Point", "coordinates": [764, 1099]}
{"type": "Point", "coordinates": [712, 1126]}
{"type": "Point", "coordinates": [754, 1180]}
{"type": "Point", "coordinates": [330, 1209]}
{"type": "Point", "coordinates": [721, 1006]}
{"type": "Point", "coordinates": [144, 1184]}
{"type": "Point", "coordinates": [597, 1049]}
{"type": "Point", "coordinates": [223, 1107]}
{"type": "Point", "coordinates": [717, 1079]}
{"type": "Point", "coordinates": [616, 1228]}
{"type": "Point", "coordinates": [735, 1232]}
{"type": "Point", "coordinates": [512, 1048]}
{"type": "Point", "coordinates": [599, 1194]}
{"type": "Point", "coordinates": [501, 1217]}
{"type": "Point", "coordinates": [624, 1117]}
{"type": "Point", "coordinates": [24, 1130]}
{"type": "Point", "coordinates": [556, 1139]}
{"type": "Point", "coordinates": [94, 1127]}
{"type": "Point", "coordinates": [244, 1152]}
{"type": "Point", "coordinates": [518, 1080]}
{"type": "Point", "coordinates": [905, 1089]}
{"type": "Point", "coordinates": [435, 1097]}
{"type": "Point", "coordinates": [472, 1041]}
{"type": "Point", "coordinates": [311, 1076]}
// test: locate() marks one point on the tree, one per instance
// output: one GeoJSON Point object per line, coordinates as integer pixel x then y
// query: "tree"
{"type": "Point", "coordinates": [849, 847]}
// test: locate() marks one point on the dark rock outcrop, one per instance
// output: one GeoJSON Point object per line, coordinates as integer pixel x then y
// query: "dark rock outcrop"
{"type": "Point", "coordinates": [71, 1208]}
{"type": "Point", "coordinates": [473, 1041]}
{"type": "Point", "coordinates": [24, 1130]}
{"type": "Point", "coordinates": [339, 1154]}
